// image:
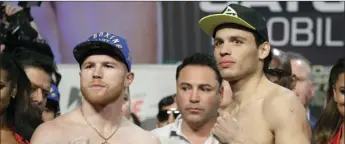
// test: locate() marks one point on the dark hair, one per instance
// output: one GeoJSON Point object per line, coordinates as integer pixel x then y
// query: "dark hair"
{"type": "Point", "coordinates": [53, 106]}
{"type": "Point", "coordinates": [166, 101]}
{"type": "Point", "coordinates": [258, 39]}
{"type": "Point", "coordinates": [27, 58]}
{"type": "Point", "coordinates": [22, 115]}
{"type": "Point", "coordinates": [41, 57]}
{"type": "Point", "coordinates": [202, 60]}
{"type": "Point", "coordinates": [330, 119]}
{"type": "Point", "coordinates": [136, 119]}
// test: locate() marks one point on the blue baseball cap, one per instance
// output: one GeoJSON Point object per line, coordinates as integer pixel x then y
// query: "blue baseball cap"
{"type": "Point", "coordinates": [54, 93]}
{"type": "Point", "coordinates": [103, 43]}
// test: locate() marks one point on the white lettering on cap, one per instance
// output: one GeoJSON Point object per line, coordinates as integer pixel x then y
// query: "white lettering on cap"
{"type": "Point", "coordinates": [115, 41]}
{"type": "Point", "coordinates": [107, 35]}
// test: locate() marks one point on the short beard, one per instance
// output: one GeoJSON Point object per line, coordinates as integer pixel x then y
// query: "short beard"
{"type": "Point", "coordinates": [101, 102]}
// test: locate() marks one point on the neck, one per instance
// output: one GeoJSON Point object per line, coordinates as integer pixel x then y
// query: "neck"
{"type": "Point", "coordinates": [198, 130]}
{"type": "Point", "coordinates": [3, 122]}
{"type": "Point", "coordinates": [103, 118]}
{"type": "Point", "coordinates": [244, 89]}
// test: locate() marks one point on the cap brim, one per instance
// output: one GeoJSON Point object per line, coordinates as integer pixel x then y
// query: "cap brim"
{"type": "Point", "coordinates": [209, 23]}
{"type": "Point", "coordinates": [85, 49]}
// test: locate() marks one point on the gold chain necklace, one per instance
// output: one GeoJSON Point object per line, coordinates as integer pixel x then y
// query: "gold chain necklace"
{"type": "Point", "coordinates": [104, 138]}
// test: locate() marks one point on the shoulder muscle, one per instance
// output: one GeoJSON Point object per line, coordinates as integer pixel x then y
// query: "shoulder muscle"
{"type": "Point", "coordinates": [45, 133]}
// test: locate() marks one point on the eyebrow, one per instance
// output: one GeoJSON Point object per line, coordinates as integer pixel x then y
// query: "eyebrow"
{"type": "Point", "coordinates": [184, 83]}
{"type": "Point", "coordinates": [109, 62]}
{"type": "Point", "coordinates": [231, 37]}
{"type": "Point", "coordinates": [105, 62]}
{"type": "Point", "coordinates": [238, 37]}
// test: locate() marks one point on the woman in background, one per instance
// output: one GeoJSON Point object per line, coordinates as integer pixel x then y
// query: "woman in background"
{"type": "Point", "coordinates": [19, 117]}
{"type": "Point", "coordinates": [329, 128]}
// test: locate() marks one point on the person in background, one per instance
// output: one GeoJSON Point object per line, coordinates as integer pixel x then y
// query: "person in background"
{"type": "Point", "coordinates": [134, 118]}
{"type": "Point", "coordinates": [18, 116]}
{"type": "Point", "coordinates": [126, 109]}
{"type": "Point", "coordinates": [39, 69]}
{"type": "Point", "coordinates": [52, 107]}
{"type": "Point", "coordinates": [126, 106]}
{"type": "Point", "coordinates": [199, 94]}
{"type": "Point", "coordinates": [167, 111]}
{"type": "Point", "coordinates": [279, 70]}
{"type": "Point", "coordinates": [329, 128]}
{"type": "Point", "coordinates": [304, 87]}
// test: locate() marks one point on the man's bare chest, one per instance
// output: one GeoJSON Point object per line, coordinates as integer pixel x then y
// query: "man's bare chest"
{"type": "Point", "coordinates": [250, 126]}
{"type": "Point", "coordinates": [89, 136]}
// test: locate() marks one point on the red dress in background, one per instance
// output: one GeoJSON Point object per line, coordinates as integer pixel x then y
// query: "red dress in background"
{"type": "Point", "coordinates": [337, 137]}
{"type": "Point", "coordinates": [20, 139]}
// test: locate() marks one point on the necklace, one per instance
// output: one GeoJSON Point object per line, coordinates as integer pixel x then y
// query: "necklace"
{"type": "Point", "coordinates": [104, 138]}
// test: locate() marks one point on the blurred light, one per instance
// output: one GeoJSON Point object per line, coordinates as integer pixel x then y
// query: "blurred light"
{"type": "Point", "coordinates": [299, 62]}
{"type": "Point", "coordinates": [276, 52]}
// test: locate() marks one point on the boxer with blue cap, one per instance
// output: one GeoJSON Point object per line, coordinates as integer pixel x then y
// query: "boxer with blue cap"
{"type": "Point", "coordinates": [105, 74]}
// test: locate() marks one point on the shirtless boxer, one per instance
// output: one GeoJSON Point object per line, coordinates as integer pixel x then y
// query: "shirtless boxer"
{"type": "Point", "coordinates": [261, 112]}
{"type": "Point", "coordinates": [105, 74]}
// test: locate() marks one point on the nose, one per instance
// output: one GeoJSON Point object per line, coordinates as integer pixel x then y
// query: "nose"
{"type": "Point", "coordinates": [37, 97]}
{"type": "Point", "coordinates": [97, 72]}
{"type": "Point", "coordinates": [194, 97]}
{"type": "Point", "coordinates": [224, 50]}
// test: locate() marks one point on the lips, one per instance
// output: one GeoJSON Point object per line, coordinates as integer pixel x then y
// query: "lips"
{"type": "Point", "coordinates": [226, 63]}
{"type": "Point", "coordinates": [97, 85]}
{"type": "Point", "coordinates": [194, 110]}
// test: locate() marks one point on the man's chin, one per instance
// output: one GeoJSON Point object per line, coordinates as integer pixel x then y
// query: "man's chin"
{"type": "Point", "coordinates": [100, 100]}
{"type": "Point", "coordinates": [227, 74]}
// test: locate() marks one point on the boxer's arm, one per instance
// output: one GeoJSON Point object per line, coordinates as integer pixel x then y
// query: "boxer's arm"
{"type": "Point", "coordinates": [147, 139]}
{"type": "Point", "coordinates": [46, 133]}
{"type": "Point", "coordinates": [288, 120]}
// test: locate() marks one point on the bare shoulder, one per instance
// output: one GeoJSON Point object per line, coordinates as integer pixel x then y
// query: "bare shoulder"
{"type": "Point", "coordinates": [141, 135]}
{"type": "Point", "coordinates": [286, 117]}
{"type": "Point", "coordinates": [282, 105]}
{"type": "Point", "coordinates": [282, 98]}
{"type": "Point", "coordinates": [52, 131]}
{"type": "Point", "coordinates": [46, 133]}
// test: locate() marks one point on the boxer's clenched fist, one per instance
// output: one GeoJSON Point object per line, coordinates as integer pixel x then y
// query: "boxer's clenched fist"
{"type": "Point", "coordinates": [227, 130]}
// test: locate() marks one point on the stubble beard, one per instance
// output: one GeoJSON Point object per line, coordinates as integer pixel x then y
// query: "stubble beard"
{"type": "Point", "coordinates": [103, 100]}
